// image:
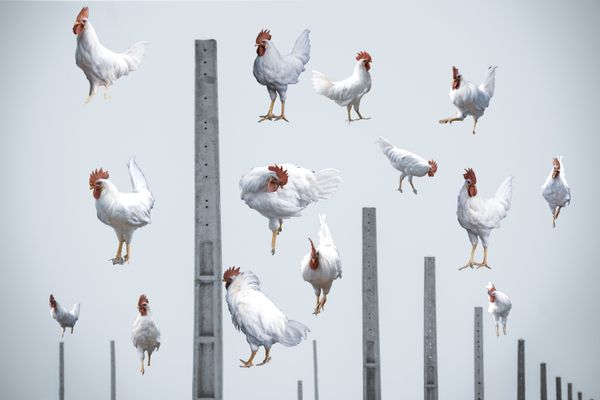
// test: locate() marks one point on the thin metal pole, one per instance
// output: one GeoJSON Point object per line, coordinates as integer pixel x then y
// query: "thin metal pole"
{"type": "Point", "coordinates": [558, 388]}
{"type": "Point", "coordinates": [543, 382]}
{"type": "Point", "coordinates": [113, 379]}
{"type": "Point", "coordinates": [521, 371]}
{"type": "Point", "coordinates": [61, 371]}
{"type": "Point", "coordinates": [430, 333]}
{"type": "Point", "coordinates": [315, 370]}
{"type": "Point", "coordinates": [208, 336]}
{"type": "Point", "coordinates": [299, 390]}
{"type": "Point", "coordinates": [478, 352]}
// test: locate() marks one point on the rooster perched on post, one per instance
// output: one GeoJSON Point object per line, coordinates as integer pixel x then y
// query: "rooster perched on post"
{"type": "Point", "coordinates": [276, 71]}
{"type": "Point", "coordinates": [499, 307]}
{"type": "Point", "coordinates": [101, 66]}
{"type": "Point", "coordinates": [349, 92]}
{"type": "Point", "coordinates": [257, 316]}
{"type": "Point", "coordinates": [282, 191]}
{"type": "Point", "coordinates": [124, 212]}
{"type": "Point", "coordinates": [556, 190]}
{"type": "Point", "coordinates": [66, 319]}
{"type": "Point", "coordinates": [145, 335]}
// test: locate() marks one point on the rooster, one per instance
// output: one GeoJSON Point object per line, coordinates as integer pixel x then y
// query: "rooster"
{"type": "Point", "coordinates": [470, 99]}
{"type": "Point", "coordinates": [145, 335]}
{"type": "Point", "coordinates": [124, 212]}
{"type": "Point", "coordinates": [349, 92]}
{"type": "Point", "coordinates": [280, 192]}
{"type": "Point", "coordinates": [101, 66]}
{"type": "Point", "coordinates": [276, 72]}
{"type": "Point", "coordinates": [257, 316]}
{"type": "Point", "coordinates": [408, 163]}
{"type": "Point", "coordinates": [556, 190]}
{"type": "Point", "coordinates": [499, 307]}
{"type": "Point", "coordinates": [66, 319]}
{"type": "Point", "coordinates": [479, 216]}
{"type": "Point", "coordinates": [322, 265]}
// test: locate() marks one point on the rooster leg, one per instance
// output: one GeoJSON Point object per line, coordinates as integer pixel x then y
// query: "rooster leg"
{"type": "Point", "coordinates": [471, 260]}
{"type": "Point", "coordinates": [484, 263]}
{"type": "Point", "coordinates": [450, 120]}
{"type": "Point", "coordinates": [267, 356]}
{"type": "Point", "coordinates": [474, 125]}
{"type": "Point", "coordinates": [248, 364]}
{"type": "Point", "coordinates": [118, 258]}
{"type": "Point", "coordinates": [149, 356]}
{"type": "Point", "coordinates": [317, 308]}
{"type": "Point", "coordinates": [497, 330]}
{"type": "Point", "coordinates": [273, 240]}
{"type": "Point", "coordinates": [323, 301]}
{"type": "Point", "coordinates": [106, 93]}
{"type": "Point", "coordinates": [128, 255]}
{"type": "Point", "coordinates": [411, 184]}
{"type": "Point", "coordinates": [555, 216]}
{"type": "Point", "coordinates": [62, 335]}
{"type": "Point", "coordinates": [504, 328]}
{"type": "Point", "coordinates": [71, 330]}
{"type": "Point", "coordinates": [269, 114]}
{"type": "Point", "coordinates": [282, 116]}
{"type": "Point", "coordinates": [400, 185]}
{"type": "Point", "coordinates": [142, 370]}
{"type": "Point", "coordinates": [280, 226]}
{"type": "Point", "coordinates": [360, 116]}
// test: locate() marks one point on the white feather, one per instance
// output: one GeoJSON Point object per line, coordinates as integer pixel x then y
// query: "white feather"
{"type": "Point", "coordinates": [557, 192]}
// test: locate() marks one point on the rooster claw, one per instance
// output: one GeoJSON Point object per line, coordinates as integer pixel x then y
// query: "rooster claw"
{"type": "Point", "coordinates": [272, 252]}
{"type": "Point", "coordinates": [483, 265]}
{"type": "Point", "coordinates": [246, 364]}
{"type": "Point", "coordinates": [116, 261]}
{"type": "Point", "coordinates": [265, 361]}
{"type": "Point", "coordinates": [467, 266]}
{"type": "Point", "coordinates": [281, 117]}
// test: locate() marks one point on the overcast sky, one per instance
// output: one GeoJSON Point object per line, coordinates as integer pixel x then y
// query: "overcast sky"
{"type": "Point", "coordinates": [545, 105]}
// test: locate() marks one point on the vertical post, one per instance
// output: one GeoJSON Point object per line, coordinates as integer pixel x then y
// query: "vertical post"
{"type": "Point", "coordinates": [61, 371]}
{"type": "Point", "coordinates": [299, 390]}
{"type": "Point", "coordinates": [543, 383]}
{"type": "Point", "coordinates": [579, 396]}
{"type": "Point", "coordinates": [569, 391]}
{"type": "Point", "coordinates": [371, 366]}
{"type": "Point", "coordinates": [478, 351]}
{"type": "Point", "coordinates": [208, 336]}
{"type": "Point", "coordinates": [316, 370]}
{"type": "Point", "coordinates": [113, 383]}
{"type": "Point", "coordinates": [430, 332]}
{"type": "Point", "coordinates": [558, 389]}
{"type": "Point", "coordinates": [521, 370]}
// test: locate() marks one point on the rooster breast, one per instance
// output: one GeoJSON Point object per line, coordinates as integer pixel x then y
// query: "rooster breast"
{"type": "Point", "coordinates": [145, 334]}
{"type": "Point", "coordinates": [501, 306]}
{"type": "Point", "coordinates": [329, 269]}
{"type": "Point", "coordinates": [470, 100]}
{"type": "Point", "coordinates": [556, 192]}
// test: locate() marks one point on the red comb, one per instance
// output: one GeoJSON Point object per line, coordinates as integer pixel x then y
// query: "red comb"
{"type": "Point", "coordinates": [265, 34]}
{"type": "Point", "coordinates": [97, 174]}
{"type": "Point", "coordinates": [363, 55]}
{"type": "Point", "coordinates": [282, 175]}
{"type": "Point", "coordinates": [230, 273]}
{"type": "Point", "coordinates": [470, 174]}
{"type": "Point", "coordinates": [84, 13]}
{"type": "Point", "coordinates": [143, 299]}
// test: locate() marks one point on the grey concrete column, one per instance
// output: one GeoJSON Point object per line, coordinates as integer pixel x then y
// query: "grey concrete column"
{"type": "Point", "coordinates": [558, 388]}
{"type": "Point", "coordinates": [543, 382]}
{"type": "Point", "coordinates": [478, 353]}
{"type": "Point", "coordinates": [315, 370]}
{"type": "Point", "coordinates": [371, 366]}
{"type": "Point", "coordinates": [208, 336]}
{"type": "Point", "coordinates": [113, 378]}
{"type": "Point", "coordinates": [61, 371]}
{"type": "Point", "coordinates": [430, 333]}
{"type": "Point", "coordinates": [521, 370]}
{"type": "Point", "coordinates": [569, 391]}
{"type": "Point", "coordinates": [299, 390]}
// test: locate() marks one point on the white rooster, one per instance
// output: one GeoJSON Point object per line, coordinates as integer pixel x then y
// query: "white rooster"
{"type": "Point", "coordinates": [257, 316]}
{"type": "Point", "coordinates": [479, 216]}
{"type": "Point", "coordinates": [470, 99]}
{"type": "Point", "coordinates": [66, 319]}
{"type": "Point", "coordinates": [556, 190]}
{"type": "Point", "coordinates": [349, 92]}
{"type": "Point", "coordinates": [499, 307]}
{"type": "Point", "coordinates": [124, 212]}
{"type": "Point", "coordinates": [281, 192]}
{"type": "Point", "coordinates": [322, 265]}
{"type": "Point", "coordinates": [101, 66]}
{"type": "Point", "coordinates": [145, 335]}
{"type": "Point", "coordinates": [276, 71]}
{"type": "Point", "coordinates": [408, 163]}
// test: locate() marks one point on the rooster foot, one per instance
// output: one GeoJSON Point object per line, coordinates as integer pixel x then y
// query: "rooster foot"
{"type": "Point", "coordinates": [467, 265]}
{"type": "Point", "coordinates": [415, 191]}
{"type": "Point", "coordinates": [246, 364]}
{"type": "Point", "coordinates": [116, 261]}
{"type": "Point", "coordinates": [270, 116]}
{"type": "Point", "coordinates": [272, 252]}
{"type": "Point", "coordinates": [317, 311]}
{"type": "Point", "coordinates": [281, 117]}
{"type": "Point", "coordinates": [480, 265]}
{"type": "Point", "coordinates": [265, 361]}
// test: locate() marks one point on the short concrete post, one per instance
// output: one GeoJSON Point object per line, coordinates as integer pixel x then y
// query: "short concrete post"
{"type": "Point", "coordinates": [299, 390]}
{"type": "Point", "coordinates": [543, 382]}
{"type": "Point", "coordinates": [558, 388]}
{"type": "Point", "coordinates": [478, 351]}
{"type": "Point", "coordinates": [569, 391]}
{"type": "Point", "coordinates": [61, 371]}
{"type": "Point", "coordinates": [579, 396]}
{"type": "Point", "coordinates": [315, 370]}
{"type": "Point", "coordinates": [430, 333]}
{"type": "Point", "coordinates": [113, 383]}
{"type": "Point", "coordinates": [521, 371]}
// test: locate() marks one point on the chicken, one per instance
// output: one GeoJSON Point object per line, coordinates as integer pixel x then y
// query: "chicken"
{"type": "Point", "coordinates": [281, 192]}
{"type": "Point", "coordinates": [479, 216]}
{"type": "Point", "coordinates": [556, 190]}
{"type": "Point", "coordinates": [470, 99]}
{"type": "Point", "coordinates": [276, 72]}
{"type": "Point", "coordinates": [499, 307]}
{"type": "Point", "coordinates": [408, 163]}
{"type": "Point", "coordinates": [101, 66]}
{"type": "Point", "coordinates": [257, 316]}
{"type": "Point", "coordinates": [145, 335]}
{"type": "Point", "coordinates": [322, 265]}
{"type": "Point", "coordinates": [124, 212]}
{"type": "Point", "coordinates": [349, 92]}
{"type": "Point", "coordinates": [66, 319]}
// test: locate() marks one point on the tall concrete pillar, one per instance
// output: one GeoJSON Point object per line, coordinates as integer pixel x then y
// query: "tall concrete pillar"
{"type": "Point", "coordinates": [113, 378]}
{"type": "Point", "coordinates": [521, 370]}
{"type": "Point", "coordinates": [430, 333]}
{"type": "Point", "coordinates": [543, 382]}
{"type": "Point", "coordinates": [558, 388]}
{"type": "Point", "coordinates": [61, 371]}
{"type": "Point", "coordinates": [478, 352]}
{"type": "Point", "coordinates": [315, 370]}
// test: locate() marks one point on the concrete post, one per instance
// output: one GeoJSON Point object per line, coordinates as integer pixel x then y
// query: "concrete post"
{"type": "Point", "coordinates": [61, 371]}
{"type": "Point", "coordinates": [569, 391]}
{"type": "Point", "coordinates": [579, 396]}
{"type": "Point", "coordinates": [558, 388]}
{"type": "Point", "coordinates": [316, 374]}
{"type": "Point", "coordinates": [430, 333]}
{"type": "Point", "coordinates": [521, 371]}
{"type": "Point", "coordinates": [371, 366]}
{"type": "Point", "coordinates": [543, 383]}
{"type": "Point", "coordinates": [299, 390]}
{"type": "Point", "coordinates": [478, 352]}
{"type": "Point", "coordinates": [208, 336]}
{"type": "Point", "coordinates": [113, 383]}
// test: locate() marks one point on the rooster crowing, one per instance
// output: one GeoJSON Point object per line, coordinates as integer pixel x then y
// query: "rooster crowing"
{"type": "Point", "coordinates": [124, 212]}
{"type": "Point", "coordinates": [280, 192]}
{"type": "Point", "coordinates": [257, 316]}
{"type": "Point", "coordinates": [470, 99]}
{"type": "Point", "coordinates": [322, 265]}
{"type": "Point", "coordinates": [276, 71]}
{"type": "Point", "coordinates": [349, 92]}
{"type": "Point", "coordinates": [66, 319]}
{"type": "Point", "coordinates": [499, 307]}
{"type": "Point", "coordinates": [145, 335]}
{"type": "Point", "coordinates": [101, 66]}
{"type": "Point", "coordinates": [408, 163]}
{"type": "Point", "coordinates": [556, 190]}
{"type": "Point", "coordinates": [479, 216]}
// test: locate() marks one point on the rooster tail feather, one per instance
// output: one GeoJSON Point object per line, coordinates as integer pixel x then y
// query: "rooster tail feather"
{"type": "Point", "coordinates": [135, 54]}
{"type": "Point", "coordinates": [321, 83]}
{"type": "Point", "coordinates": [324, 233]}
{"type": "Point", "coordinates": [294, 333]}
{"type": "Point", "coordinates": [504, 192]}
{"type": "Point", "coordinates": [328, 181]}
{"type": "Point", "coordinates": [302, 47]}
{"type": "Point", "coordinates": [138, 180]}
{"type": "Point", "coordinates": [386, 147]}
{"type": "Point", "coordinates": [75, 310]}
{"type": "Point", "coordinates": [489, 82]}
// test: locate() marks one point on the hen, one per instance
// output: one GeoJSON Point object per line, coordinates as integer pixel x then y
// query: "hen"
{"type": "Point", "coordinates": [407, 163]}
{"type": "Point", "coordinates": [479, 216]}
{"type": "Point", "coordinates": [349, 92]}
{"type": "Point", "coordinates": [66, 319]}
{"type": "Point", "coordinates": [257, 316]}
{"type": "Point", "coordinates": [276, 71]}
{"type": "Point", "coordinates": [556, 190]}
{"type": "Point", "coordinates": [145, 335]}
{"type": "Point", "coordinates": [101, 66]}
{"type": "Point", "coordinates": [124, 212]}
{"type": "Point", "coordinates": [322, 265]}
{"type": "Point", "coordinates": [499, 307]}
{"type": "Point", "coordinates": [470, 99]}
{"type": "Point", "coordinates": [281, 192]}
